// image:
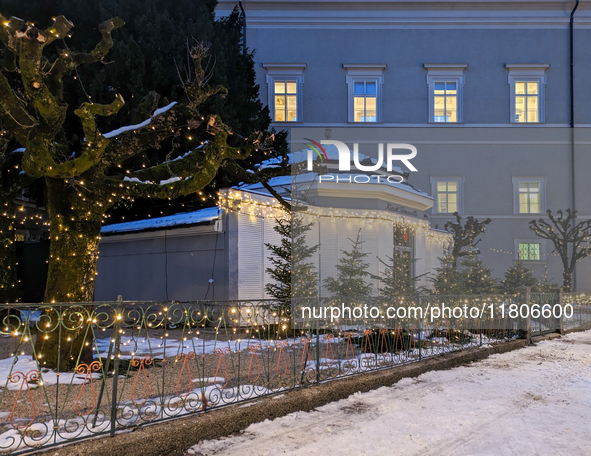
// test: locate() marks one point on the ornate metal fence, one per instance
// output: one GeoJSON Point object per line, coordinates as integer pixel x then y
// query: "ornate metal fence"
{"type": "Point", "coordinates": [133, 363]}
{"type": "Point", "coordinates": [580, 304]}
{"type": "Point", "coordinates": [544, 320]}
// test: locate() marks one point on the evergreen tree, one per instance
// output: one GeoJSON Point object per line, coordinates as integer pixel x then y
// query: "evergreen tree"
{"type": "Point", "coordinates": [475, 277]}
{"type": "Point", "coordinates": [517, 276]}
{"type": "Point", "coordinates": [545, 285]}
{"type": "Point", "coordinates": [350, 285]}
{"type": "Point", "coordinates": [294, 276]}
{"type": "Point", "coordinates": [398, 279]}
{"type": "Point", "coordinates": [447, 279]}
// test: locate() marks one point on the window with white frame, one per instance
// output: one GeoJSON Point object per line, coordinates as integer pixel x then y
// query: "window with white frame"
{"type": "Point", "coordinates": [365, 101]}
{"type": "Point", "coordinates": [530, 250]}
{"type": "Point", "coordinates": [445, 82]}
{"type": "Point", "coordinates": [364, 84]}
{"type": "Point", "coordinates": [529, 195]}
{"type": "Point", "coordinates": [284, 82]}
{"type": "Point", "coordinates": [448, 193]}
{"type": "Point", "coordinates": [445, 101]}
{"type": "Point", "coordinates": [285, 100]}
{"type": "Point", "coordinates": [526, 84]}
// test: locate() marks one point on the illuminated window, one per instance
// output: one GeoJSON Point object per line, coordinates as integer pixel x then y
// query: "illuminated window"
{"type": "Point", "coordinates": [364, 101]}
{"type": "Point", "coordinates": [445, 82]}
{"type": "Point", "coordinates": [447, 192]}
{"type": "Point", "coordinates": [285, 97]}
{"type": "Point", "coordinates": [445, 101]}
{"type": "Point", "coordinates": [526, 84]}
{"type": "Point", "coordinates": [285, 83]}
{"type": "Point", "coordinates": [364, 82]}
{"type": "Point", "coordinates": [529, 195]}
{"type": "Point", "coordinates": [527, 106]}
{"type": "Point", "coordinates": [529, 251]}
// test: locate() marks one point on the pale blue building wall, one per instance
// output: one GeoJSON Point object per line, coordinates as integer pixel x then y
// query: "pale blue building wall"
{"type": "Point", "coordinates": [486, 150]}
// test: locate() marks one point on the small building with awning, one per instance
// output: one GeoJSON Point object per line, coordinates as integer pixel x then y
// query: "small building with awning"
{"type": "Point", "coordinates": [220, 253]}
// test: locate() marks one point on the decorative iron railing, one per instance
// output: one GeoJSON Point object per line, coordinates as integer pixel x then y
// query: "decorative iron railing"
{"type": "Point", "coordinates": [69, 371]}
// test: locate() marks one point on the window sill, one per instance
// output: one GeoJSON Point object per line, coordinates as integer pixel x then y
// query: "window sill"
{"type": "Point", "coordinates": [350, 122]}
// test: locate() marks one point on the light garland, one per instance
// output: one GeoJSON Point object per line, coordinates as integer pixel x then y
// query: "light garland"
{"type": "Point", "coordinates": [507, 252]}
{"type": "Point", "coordinates": [269, 208]}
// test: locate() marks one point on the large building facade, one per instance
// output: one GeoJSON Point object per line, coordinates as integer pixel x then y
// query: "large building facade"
{"type": "Point", "coordinates": [482, 89]}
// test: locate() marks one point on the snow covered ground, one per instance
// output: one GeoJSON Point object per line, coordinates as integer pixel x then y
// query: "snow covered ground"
{"type": "Point", "coordinates": [534, 401]}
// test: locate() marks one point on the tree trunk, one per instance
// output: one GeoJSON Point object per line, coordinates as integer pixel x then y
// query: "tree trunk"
{"type": "Point", "coordinates": [8, 278]}
{"type": "Point", "coordinates": [75, 234]}
{"type": "Point", "coordinates": [567, 279]}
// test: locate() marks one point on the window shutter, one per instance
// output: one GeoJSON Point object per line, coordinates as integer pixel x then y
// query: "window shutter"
{"type": "Point", "coordinates": [250, 257]}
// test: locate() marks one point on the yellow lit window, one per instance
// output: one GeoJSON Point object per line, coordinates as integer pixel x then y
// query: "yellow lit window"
{"type": "Point", "coordinates": [365, 101]}
{"type": "Point", "coordinates": [447, 197]}
{"type": "Point", "coordinates": [445, 101]}
{"type": "Point", "coordinates": [286, 101]}
{"type": "Point", "coordinates": [526, 101]}
{"type": "Point", "coordinates": [529, 197]}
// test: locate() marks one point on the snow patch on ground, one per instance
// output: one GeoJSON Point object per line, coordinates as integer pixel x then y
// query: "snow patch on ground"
{"type": "Point", "coordinates": [26, 364]}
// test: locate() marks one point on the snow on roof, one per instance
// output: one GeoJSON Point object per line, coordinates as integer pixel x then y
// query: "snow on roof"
{"type": "Point", "coordinates": [282, 183]}
{"type": "Point", "coordinates": [185, 218]}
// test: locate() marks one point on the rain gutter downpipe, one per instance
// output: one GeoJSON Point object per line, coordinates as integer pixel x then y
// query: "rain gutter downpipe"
{"type": "Point", "coordinates": [572, 125]}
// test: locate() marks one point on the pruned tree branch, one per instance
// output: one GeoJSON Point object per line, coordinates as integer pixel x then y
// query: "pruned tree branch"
{"type": "Point", "coordinates": [13, 114]}
{"type": "Point", "coordinates": [262, 176]}
{"type": "Point", "coordinates": [567, 237]}
{"type": "Point", "coordinates": [104, 168]}
{"type": "Point", "coordinates": [465, 235]}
